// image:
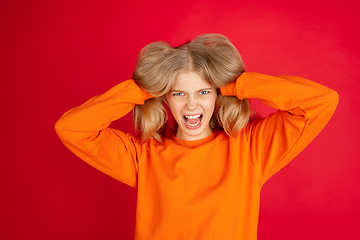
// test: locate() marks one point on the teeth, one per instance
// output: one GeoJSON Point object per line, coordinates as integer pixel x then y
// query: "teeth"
{"type": "Point", "coordinates": [193, 117]}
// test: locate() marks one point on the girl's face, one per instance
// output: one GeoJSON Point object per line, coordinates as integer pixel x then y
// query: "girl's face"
{"type": "Point", "coordinates": [192, 103]}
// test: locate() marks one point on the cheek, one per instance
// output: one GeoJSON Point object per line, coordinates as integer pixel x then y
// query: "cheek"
{"type": "Point", "coordinates": [210, 105]}
{"type": "Point", "coordinates": [175, 107]}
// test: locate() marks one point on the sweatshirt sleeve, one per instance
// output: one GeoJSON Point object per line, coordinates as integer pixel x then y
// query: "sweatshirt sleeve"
{"type": "Point", "coordinates": [84, 130]}
{"type": "Point", "coordinates": [304, 108]}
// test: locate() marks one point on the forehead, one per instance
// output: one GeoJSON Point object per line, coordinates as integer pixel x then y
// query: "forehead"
{"type": "Point", "coordinates": [190, 81]}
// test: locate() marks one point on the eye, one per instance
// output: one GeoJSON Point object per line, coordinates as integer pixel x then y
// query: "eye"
{"type": "Point", "coordinates": [204, 92]}
{"type": "Point", "coordinates": [178, 94]}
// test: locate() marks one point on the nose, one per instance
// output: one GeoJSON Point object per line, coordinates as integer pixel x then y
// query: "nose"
{"type": "Point", "coordinates": [191, 103]}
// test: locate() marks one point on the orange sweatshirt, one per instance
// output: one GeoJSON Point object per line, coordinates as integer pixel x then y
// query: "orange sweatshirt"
{"type": "Point", "coordinates": [205, 189]}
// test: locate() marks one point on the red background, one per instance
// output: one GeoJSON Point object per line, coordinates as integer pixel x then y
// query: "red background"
{"type": "Point", "coordinates": [56, 54]}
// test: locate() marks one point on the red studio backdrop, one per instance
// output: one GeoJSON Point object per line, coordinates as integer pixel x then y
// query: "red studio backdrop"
{"type": "Point", "coordinates": [55, 55]}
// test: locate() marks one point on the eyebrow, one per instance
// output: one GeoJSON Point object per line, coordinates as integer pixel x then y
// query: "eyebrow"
{"type": "Point", "coordinates": [202, 89]}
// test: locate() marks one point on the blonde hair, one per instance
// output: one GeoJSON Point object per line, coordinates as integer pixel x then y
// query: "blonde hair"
{"type": "Point", "coordinates": [212, 56]}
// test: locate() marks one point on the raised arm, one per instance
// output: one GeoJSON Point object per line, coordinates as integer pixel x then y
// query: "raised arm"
{"type": "Point", "coordinates": [304, 108]}
{"type": "Point", "coordinates": [84, 130]}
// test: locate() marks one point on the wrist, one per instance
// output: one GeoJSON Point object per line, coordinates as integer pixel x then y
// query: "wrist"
{"type": "Point", "coordinates": [229, 90]}
{"type": "Point", "coordinates": [146, 95]}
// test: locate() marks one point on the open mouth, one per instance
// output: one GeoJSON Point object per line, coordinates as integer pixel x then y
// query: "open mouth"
{"type": "Point", "coordinates": [193, 121]}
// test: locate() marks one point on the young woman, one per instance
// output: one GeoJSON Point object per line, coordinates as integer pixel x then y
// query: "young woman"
{"type": "Point", "coordinates": [201, 178]}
